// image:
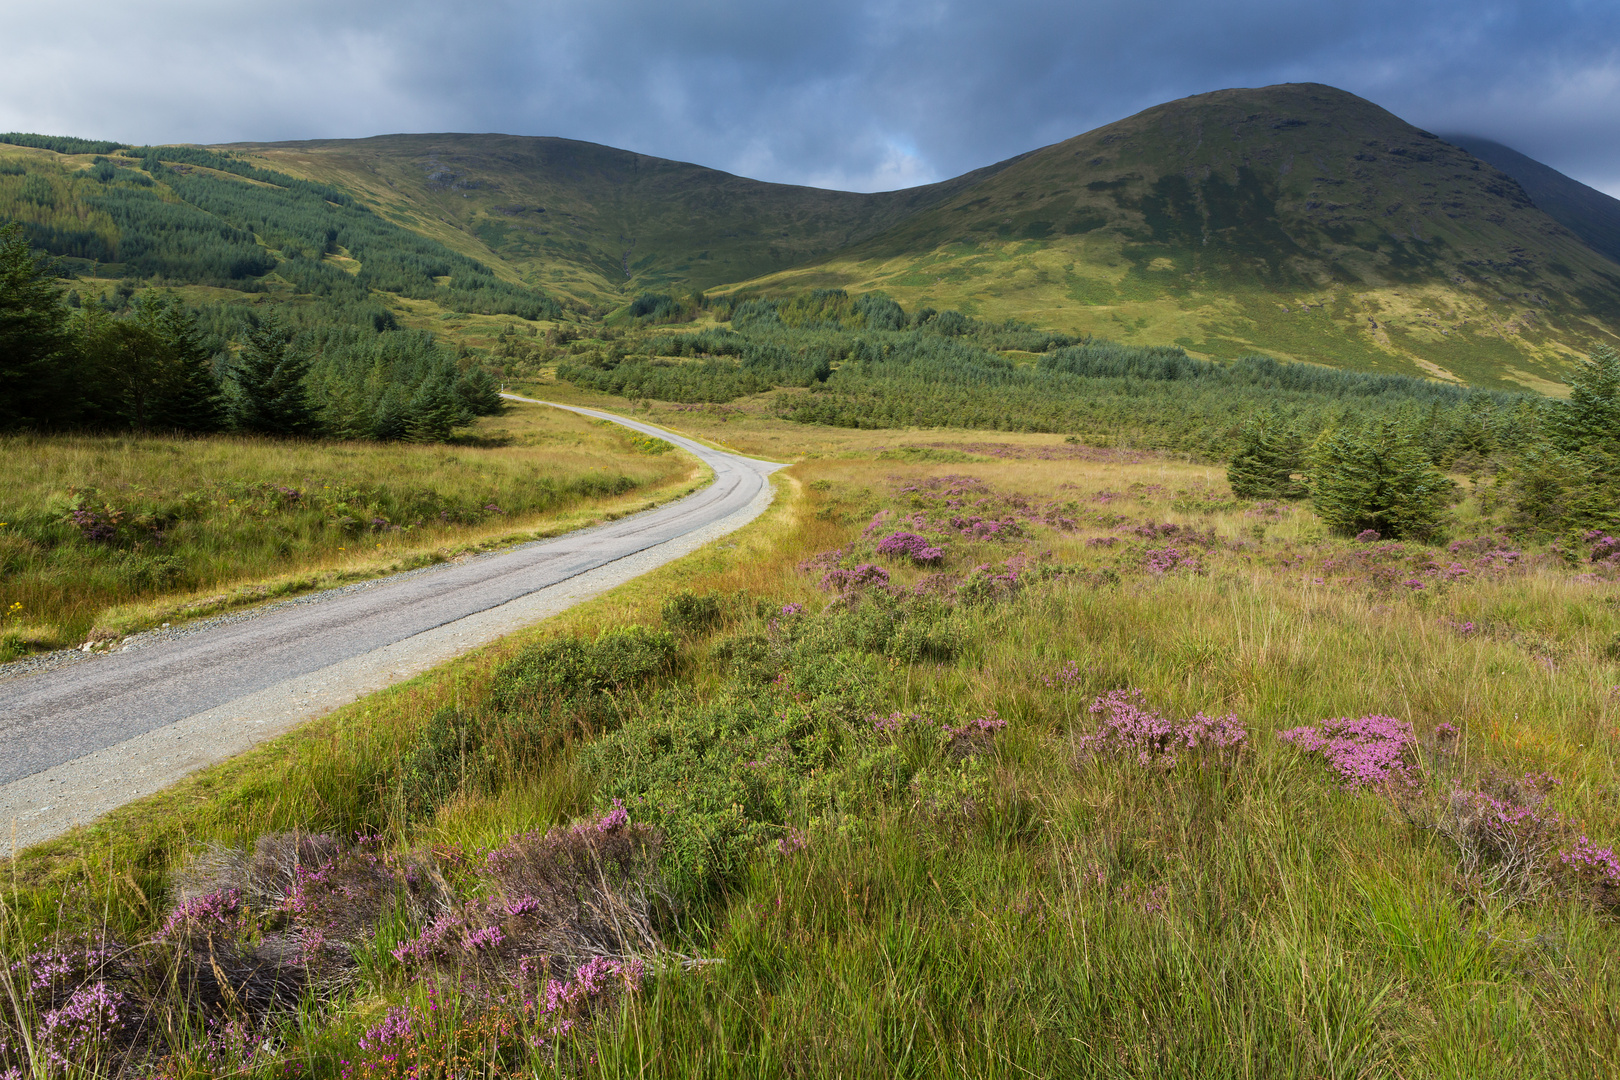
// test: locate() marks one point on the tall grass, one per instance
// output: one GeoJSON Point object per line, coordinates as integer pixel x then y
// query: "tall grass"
{"type": "Point", "coordinates": [94, 524]}
{"type": "Point", "coordinates": [1009, 904]}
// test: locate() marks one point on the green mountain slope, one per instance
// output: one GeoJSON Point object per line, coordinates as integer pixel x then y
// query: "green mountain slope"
{"type": "Point", "coordinates": [1584, 211]}
{"type": "Point", "coordinates": [1295, 219]}
{"type": "Point", "coordinates": [593, 222]}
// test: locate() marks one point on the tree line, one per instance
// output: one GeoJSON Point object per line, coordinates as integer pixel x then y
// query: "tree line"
{"type": "Point", "coordinates": [1369, 449]}
{"type": "Point", "coordinates": [152, 366]}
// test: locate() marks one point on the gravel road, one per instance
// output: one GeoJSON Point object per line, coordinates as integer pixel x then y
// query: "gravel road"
{"type": "Point", "coordinates": [79, 739]}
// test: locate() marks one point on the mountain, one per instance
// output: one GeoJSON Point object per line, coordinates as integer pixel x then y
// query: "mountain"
{"type": "Point", "coordinates": [1586, 212]}
{"type": "Point", "coordinates": [593, 222]}
{"type": "Point", "coordinates": [1298, 220]}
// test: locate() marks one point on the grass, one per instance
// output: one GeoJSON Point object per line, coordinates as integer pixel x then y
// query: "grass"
{"type": "Point", "coordinates": [838, 900]}
{"type": "Point", "coordinates": [104, 535]}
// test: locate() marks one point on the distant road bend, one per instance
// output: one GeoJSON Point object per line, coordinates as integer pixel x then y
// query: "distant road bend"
{"type": "Point", "coordinates": [83, 738]}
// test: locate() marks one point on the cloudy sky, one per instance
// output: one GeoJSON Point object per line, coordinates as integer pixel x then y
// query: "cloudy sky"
{"type": "Point", "coordinates": [861, 94]}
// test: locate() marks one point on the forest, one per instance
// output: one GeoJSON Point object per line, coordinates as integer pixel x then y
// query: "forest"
{"type": "Point", "coordinates": [865, 362]}
{"type": "Point", "coordinates": [183, 215]}
{"type": "Point", "coordinates": [154, 367]}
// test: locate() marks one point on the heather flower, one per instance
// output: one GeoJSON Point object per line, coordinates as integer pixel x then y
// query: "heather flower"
{"type": "Point", "coordinates": [792, 609]}
{"type": "Point", "coordinates": [70, 1035]}
{"type": "Point", "coordinates": [523, 905]}
{"type": "Point", "coordinates": [394, 1030]}
{"type": "Point", "coordinates": [1592, 864]}
{"type": "Point", "coordinates": [1164, 560]}
{"type": "Point", "coordinates": [1066, 677]}
{"type": "Point", "coordinates": [865, 575]}
{"type": "Point", "coordinates": [217, 912]}
{"type": "Point", "coordinates": [1127, 725]}
{"type": "Point", "coordinates": [616, 818]}
{"type": "Point", "coordinates": [1368, 536]}
{"type": "Point", "coordinates": [1369, 751]}
{"type": "Point", "coordinates": [910, 546]}
{"type": "Point", "coordinates": [1414, 584]}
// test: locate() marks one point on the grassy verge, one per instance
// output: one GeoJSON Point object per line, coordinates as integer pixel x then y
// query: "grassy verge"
{"type": "Point", "coordinates": [106, 535]}
{"type": "Point", "coordinates": [1019, 805]}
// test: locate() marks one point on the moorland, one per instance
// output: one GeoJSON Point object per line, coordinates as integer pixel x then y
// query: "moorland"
{"type": "Point", "coordinates": [1184, 644]}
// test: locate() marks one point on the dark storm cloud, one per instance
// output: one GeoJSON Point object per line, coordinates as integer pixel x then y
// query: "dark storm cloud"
{"type": "Point", "coordinates": [875, 94]}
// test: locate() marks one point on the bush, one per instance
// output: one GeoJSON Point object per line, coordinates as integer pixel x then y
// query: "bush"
{"type": "Point", "coordinates": [690, 613]}
{"type": "Point", "coordinates": [573, 668]}
{"type": "Point", "coordinates": [1377, 477]}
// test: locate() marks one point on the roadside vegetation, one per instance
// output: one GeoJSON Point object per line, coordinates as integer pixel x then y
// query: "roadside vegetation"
{"type": "Point", "coordinates": [104, 535]}
{"type": "Point", "coordinates": [1040, 758]}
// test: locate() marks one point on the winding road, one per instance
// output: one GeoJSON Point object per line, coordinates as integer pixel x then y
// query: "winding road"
{"type": "Point", "coordinates": [79, 739]}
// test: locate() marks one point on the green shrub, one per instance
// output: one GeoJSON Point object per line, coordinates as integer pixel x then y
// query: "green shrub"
{"type": "Point", "coordinates": [573, 668]}
{"type": "Point", "coordinates": [449, 755]}
{"type": "Point", "coordinates": [1377, 477]}
{"type": "Point", "coordinates": [690, 613]}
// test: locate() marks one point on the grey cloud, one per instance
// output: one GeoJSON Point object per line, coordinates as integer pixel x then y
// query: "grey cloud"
{"type": "Point", "coordinates": [868, 95]}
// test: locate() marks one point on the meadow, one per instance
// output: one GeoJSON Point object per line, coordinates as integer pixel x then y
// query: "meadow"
{"type": "Point", "coordinates": [979, 754]}
{"type": "Point", "coordinates": [104, 535]}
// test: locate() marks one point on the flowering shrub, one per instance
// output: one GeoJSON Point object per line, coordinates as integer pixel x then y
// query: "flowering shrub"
{"type": "Point", "coordinates": [212, 913]}
{"type": "Point", "coordinates": [1605, 548]}
{"type": "Point", "coordinates": [1164, 560]}
{"type": "Point", "coordinates": [1365, 752]}
{"type": "Point", "coordinates": [1593, 866]}
{"type": "Point", "coordinates": [70, 1037]}
{"type": "Point", "coordinates": [864, 576]}
{"type": "Point", "coordinates": [1127, 725]}
{"type": "Point", "coordinates": [910, 546]}
{"type": "Point", "coordinates": [985, 583]}
{"type": "Point", "coordinates": [964, 740]}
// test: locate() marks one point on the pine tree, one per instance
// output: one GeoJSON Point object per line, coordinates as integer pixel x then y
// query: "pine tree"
{"type": "Point", "coordinates": [190, 397]}
{"type": "Point", "coordinates": [1268, 456]}
{"type": "Point", "coordinates": [38, 361]}
{"type": "Point", "coordinates": [1377, 477]}
{"type": "Point", "coordinates": [268, 382]}
{"type": "Point", "coordinates": [479, 392]}
{"type": "Point", "coordinates": [436, 410]}
{"type": "Point", "coordinates": [1592, 413]}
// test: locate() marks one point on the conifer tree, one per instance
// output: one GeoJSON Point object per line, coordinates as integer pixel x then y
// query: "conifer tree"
{"type": "Point", "coordinates": [1269, 454]}
{"type": "Point", "coordinates": [268, 382]}
{"type": "Point", "coordinates": [1377, 477]}
{"type": "Point", "coordinates": [192, 400]}
{"type": "Point", "coordinates": [479, 392]}
{"type": "Point", "coordinates": [436, 410]}
{"type": "Point", "coordinates": [37, 356]}
{"type": "Point", "coordinates": [1592, 413]}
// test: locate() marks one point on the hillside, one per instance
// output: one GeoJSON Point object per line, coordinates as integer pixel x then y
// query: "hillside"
{"type": "Point", "coordinates": [595, 223]}
{"type": "Point", "coordinates": [1584, 211]}
{"type": "Point", "coordinates": [1298, 219]}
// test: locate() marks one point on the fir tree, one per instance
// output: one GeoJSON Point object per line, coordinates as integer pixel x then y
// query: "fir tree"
{"type": "Point", "coordinates": [1269, 454]}
{"type": "Point", "coordinates": [1377, 477]}
{"type": "Point", "coordinates": [37, 357]}
{"type": "Point", "coordinates": [1592, 413]}
{"type": "Point", "coordinates": [479, 392]}
{"type": "Point", "coordinates": [436, 410]}
{"type": "Point", "coordinates": [192, 400]}
{"type": "Point", "coordinates": [268, 382]}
